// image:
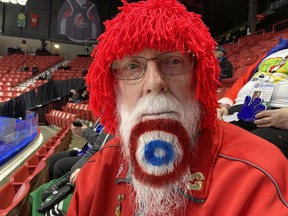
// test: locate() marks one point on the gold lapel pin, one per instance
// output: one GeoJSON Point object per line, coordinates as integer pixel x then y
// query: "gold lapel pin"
{"type": "Point", "coordinates": [196, 180]}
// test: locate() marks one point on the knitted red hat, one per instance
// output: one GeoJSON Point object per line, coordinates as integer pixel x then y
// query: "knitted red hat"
{"type": "Point", "coordinates": [162, 25]}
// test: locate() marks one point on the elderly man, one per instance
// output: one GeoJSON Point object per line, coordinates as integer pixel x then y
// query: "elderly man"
{"type": "Point", "coordinates": [154, 81]}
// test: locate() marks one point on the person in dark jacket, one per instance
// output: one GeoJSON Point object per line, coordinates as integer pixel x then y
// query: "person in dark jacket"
{"type": "Point", "coordinates": [62, 162]}
{"type": "Point", "coordinates": [225, 64]}
{"type": "Point", "coordinates": [76, 97]}
{"type": "Point", "coordinates": [35, 69]}
{"type": "Point", "coordinates": [24, 68]}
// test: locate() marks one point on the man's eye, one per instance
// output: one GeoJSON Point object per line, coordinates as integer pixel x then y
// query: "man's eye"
{"type": "Point", "coordinates": [131, 66]}
{"type": "Point", "coordinates": [173, 61]}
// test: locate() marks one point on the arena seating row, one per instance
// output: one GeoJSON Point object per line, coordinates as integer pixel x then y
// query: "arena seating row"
{"type": "Point", "coordinates": [4, 98]}
{"type": "Point", "coordinates": [35, 84]}
{"type": "Point", "coordinates": [76, 67]}
{"type": "Point", "coordinates": [15, 78]}
{"type": "Point", "coordinates": [227, 83]}
{"type": "Point", "coordinates": [9, 94]}
{"type": "Point", "coordinates": [80, 109]}
{"type": "Point", "coordinates": [60, 119]}
{"type": "Point", "coordinates": [11, 76]}
{"type": "Point", "coordinates": [259, 41]}
{"type": "Point", "coordinates": [248, 50]}
{"type": "Point", "coordinates": [31, 175]}
{"type": "Point", "coordinates": [66, 74]}
{"type": "Point", "coordinates": [16, 200]}
{"type": "Point", "coordinates": [12, 92]}
{"type": "Point", "coordinates": [12, 83]}
{"type": "Point", "coordinates": [13, 63]}
{"type": "Point", "coordinates": [80, 62]}
{"type": "Point", "coordinates": [6, 88]}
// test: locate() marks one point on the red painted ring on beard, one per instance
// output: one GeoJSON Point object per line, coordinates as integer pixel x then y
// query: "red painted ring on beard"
{"type": "Point", "coordinates": [172, 127]}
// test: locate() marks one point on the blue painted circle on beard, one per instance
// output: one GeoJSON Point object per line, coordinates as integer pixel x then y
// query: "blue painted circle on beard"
{"type": "Point", "coordinates": [166, 149]}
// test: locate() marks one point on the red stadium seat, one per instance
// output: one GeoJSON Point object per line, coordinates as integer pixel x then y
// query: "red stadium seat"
{"type": "Point", "coordinates": [230, 81]}
{"type": "Point", "coordinates": [56, 145]}
{"type": "Point", "coordinates": [246, 61]}
{"type": "Point", "coordinates": [32, 162]}
{"type": "Point", "coordinates": [81, 109]}
{"type": "Point", "coordinates": [35, 179]}
{"type": "Point", "coordinates": [21, 175]}
{"type": "Point", "coordinates": [14, 201]}
{"type": "Point", "coordinates": [44, 152]}
{"type": "Point", "coordinates": [39, 176]}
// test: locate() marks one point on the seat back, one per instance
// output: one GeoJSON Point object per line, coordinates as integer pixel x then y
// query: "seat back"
{"type": "Point", "coordinates": [15, 201]}
{"type": "Point", "coordinates": [21, 175]}
{"type": "Point", "coordinates": [44, 152]}
{"type": "Point", "coordinates": [32, 162]}
{"type": "Point", "coordinates": [39, 176]}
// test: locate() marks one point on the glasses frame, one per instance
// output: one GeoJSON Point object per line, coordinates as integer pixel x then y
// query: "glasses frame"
{"type": "Point", "coordinates": [154, 59]}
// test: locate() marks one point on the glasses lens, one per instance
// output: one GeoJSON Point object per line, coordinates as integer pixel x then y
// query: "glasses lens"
{"type": "Point", "coordinates": [175, 63]}
{"type": "Point", "coordinates": [129, 68]}
{"type": "Point", "coordinates": [132, 68]}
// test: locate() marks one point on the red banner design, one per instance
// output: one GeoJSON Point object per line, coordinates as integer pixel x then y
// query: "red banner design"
{"type": "Point", "coordinates": [34, 20]}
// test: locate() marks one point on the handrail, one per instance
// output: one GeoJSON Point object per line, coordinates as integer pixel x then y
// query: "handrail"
{"type": "Point", "coordinates": [273, 27]}
{"type": "Point", "coordinates": [259, 31]}
{"type": "Point", "coordinates": [248, 36]}
{"type": "Point", "coordinates": [42, 109]}
{"type": "Point", "coordinates": [46, 107]}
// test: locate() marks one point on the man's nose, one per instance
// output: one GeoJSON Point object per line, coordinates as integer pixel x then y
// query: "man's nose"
{"type": "Point", "coordinates": [155, 82]}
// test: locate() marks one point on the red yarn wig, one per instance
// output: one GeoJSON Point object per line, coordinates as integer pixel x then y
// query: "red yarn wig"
{"type": "Point", "coordinates": [162, 25]}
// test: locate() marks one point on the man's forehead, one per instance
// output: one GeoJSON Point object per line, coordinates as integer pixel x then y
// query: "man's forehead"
{"type": "Point", "coordinates": [146, 52]}
{"type": "Point", "coordinates": [150, 53]}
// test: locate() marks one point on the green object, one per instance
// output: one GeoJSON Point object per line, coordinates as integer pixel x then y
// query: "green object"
{"type": "Point", "coordinates": [21, 20]}
{"type": "Point", "coordinates": [35, 200]}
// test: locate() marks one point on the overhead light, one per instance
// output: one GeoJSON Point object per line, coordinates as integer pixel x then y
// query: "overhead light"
{"type": "Point", "coordinates": [57, 46]}
{"type": "Point", "coordinates": [20, 2]}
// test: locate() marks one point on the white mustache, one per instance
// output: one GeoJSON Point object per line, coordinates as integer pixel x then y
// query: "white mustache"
{"type": "Point", "coordinates": [156, 105]}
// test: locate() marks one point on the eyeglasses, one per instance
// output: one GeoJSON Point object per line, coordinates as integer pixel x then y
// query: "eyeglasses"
{"type": "Point", "coordinates": [171, 63]}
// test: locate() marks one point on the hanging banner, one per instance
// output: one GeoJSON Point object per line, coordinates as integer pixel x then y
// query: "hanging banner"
{"type": "Point", "coordinates": [21, 20]}
{"type": "Point", "coordinates": [34, 20]}
{"type": "Point", "coordinates": [79, 20]}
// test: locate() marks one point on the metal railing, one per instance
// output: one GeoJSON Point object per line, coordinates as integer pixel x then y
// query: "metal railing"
{"type": "Point", "coordinates": [279, 23]}
{"type": "Point", "coordinates": [47, 107]}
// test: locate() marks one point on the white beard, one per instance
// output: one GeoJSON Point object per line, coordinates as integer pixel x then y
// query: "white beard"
{"type": "Point", "coordinates": [159, 200]}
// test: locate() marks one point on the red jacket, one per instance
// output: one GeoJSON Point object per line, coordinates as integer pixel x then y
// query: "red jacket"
{"type": "Point", "coordinates": [243, 175]}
